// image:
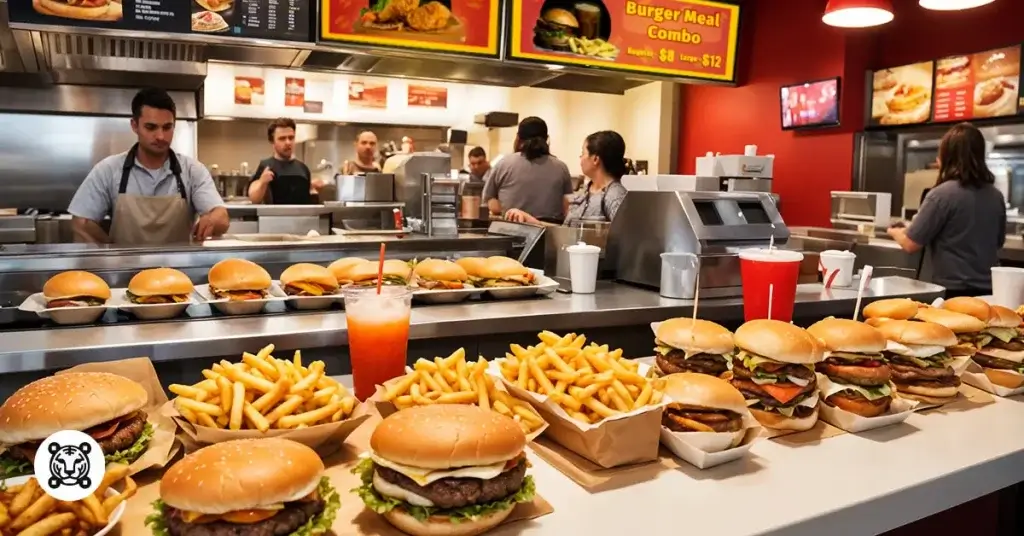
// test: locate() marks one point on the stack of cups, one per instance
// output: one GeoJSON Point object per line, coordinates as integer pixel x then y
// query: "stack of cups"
{"type": "Point", "coordinates": [1008, 286]}
{"type": "Point", "coordinates": [769, 283]}
{"type": "Point", "coordinates": [583, 262]}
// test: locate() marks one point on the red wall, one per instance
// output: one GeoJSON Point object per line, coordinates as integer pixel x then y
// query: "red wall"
{"type": "Point", "coordinates": [785, 46]}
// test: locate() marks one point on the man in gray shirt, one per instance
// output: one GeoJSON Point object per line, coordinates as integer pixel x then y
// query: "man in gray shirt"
{"type": "Point", "coordinates": [531, 180]}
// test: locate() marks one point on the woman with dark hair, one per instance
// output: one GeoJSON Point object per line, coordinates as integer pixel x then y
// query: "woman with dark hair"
{"type": "Point", "coordinates": [532, 180]}
{"type": "Point", "coordinates": [962, 220]}
{"type": "Point", "coordinates": [603, 163]}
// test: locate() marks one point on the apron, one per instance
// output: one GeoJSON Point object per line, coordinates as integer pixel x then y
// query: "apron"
{"type": "Point", "coordinates": [290, 189]}
{"type": "Point", "coordinates": [150, 220]}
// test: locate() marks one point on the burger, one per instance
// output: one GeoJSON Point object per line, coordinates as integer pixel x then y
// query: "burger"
{"type": "Point", "coordinates": [437, 274]}
{"type": "Point", "coordinates": [246, 487]}
{"type": "Point", "coordinates": [395, 272]}
{"type": "Point", "coordinates": [968, 329]}
{"type": "Point", "coordinates": [858, 377]}
{"type": "Point", "coordinates": [554, 28]}
{"type": "Point", "coordinates": [918, 356]}
{"type": "Point", "coordinates": [774, 369]}
{"type": "Point", "coordinates": [238, 280]}
{"type": "Point", "coordinates": [75, 289]}
{"type": "Point", "coordinates": [952, 72]}
{"type": "Point", "coordinates": [449, 470]}
{"type": "Point", "coordinates": [159, 285]}
{"type": "Point", "coordinates": [504, 272]}
{"type": "Point", "coordinates": [106, 406]}
{"type": "Point", "coordinates": [96, 10]}
{"type": "Point", "coordinates": [306, 279]}
{"type": "Point", "coordinates": [1002, 359]}
{"type": "Point", "coordinates": [341, 267]}
{"type": "Point", "coordinates": [473, 266]}
{"type": "Point", "coordinates": [687, 345]}
{"type": "Point", "coordinates": [891, 309]}
{"type": "Point", "coordinates": [702, 403]}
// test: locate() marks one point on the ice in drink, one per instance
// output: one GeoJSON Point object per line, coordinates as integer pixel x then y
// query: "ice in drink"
{"type": "Point", "coordinates": [769, 276]}
{"type": "Point", "coordinates": [378, 335]}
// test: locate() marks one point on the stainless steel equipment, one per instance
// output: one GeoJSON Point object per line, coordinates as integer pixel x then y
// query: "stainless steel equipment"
{"type": "Point", "coordinates": [365, 203]}
{"type": "Point", "coordinates": [409, 171]}
{"type": "Point", "coordinates": [280, 219]}
{"type": "Point", "coordinates": [713, 226]}
{"type": "Point", "coordinates": [371, 187]}
{"type": "Point", "coordinates": [854, 210]}
{"type": "Point", "coordinates": [440, 202]}
{"type": "Point", "coordinates": [557, 238]}
{"type": "Point", "coordinates": [232, 186]}
{"type": "Point", "coordinates": [17, 229]}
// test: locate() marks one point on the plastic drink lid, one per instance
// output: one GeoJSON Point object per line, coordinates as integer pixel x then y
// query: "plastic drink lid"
{"type": "Point", "coordinates": [775, 255]}
{"type": "Point", "coordinates": [583, 247]}
{"type": "Point", "coordinates": [836, 253]}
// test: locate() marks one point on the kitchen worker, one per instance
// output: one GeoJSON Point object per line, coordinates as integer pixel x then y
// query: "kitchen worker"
{"type": "Point", "coordinates": [366, 156]}
{"type": "Point", "coordinates": [152, 194]}
{"type": "Point", "coordinates": [285, 178]}
{"type": "Point", "coordinates": [531, 180]}
{"type": "Point", "coordinates": [478, 164]}
{"type": "Point", "coordinates": [603, 161]}
{"type": "Point", "coordinates": [962, 221]}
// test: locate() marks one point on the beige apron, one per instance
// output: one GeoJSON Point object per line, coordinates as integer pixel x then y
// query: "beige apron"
{"type": "Point", "coordinates": [150, 220]}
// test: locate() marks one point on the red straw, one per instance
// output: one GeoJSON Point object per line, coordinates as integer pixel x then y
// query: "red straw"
{"type": "Point", "coordinates": [380, 268]}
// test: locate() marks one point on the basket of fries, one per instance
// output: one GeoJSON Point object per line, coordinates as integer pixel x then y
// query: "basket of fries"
{"type": "Point", "coordinates": [453, 380]}
{"type": "Point", "coordinates": [264, 396]}
{"type": "Point", "coordinates": [600, 405]}
{"type": "Point", "coordinates": [27, 510]}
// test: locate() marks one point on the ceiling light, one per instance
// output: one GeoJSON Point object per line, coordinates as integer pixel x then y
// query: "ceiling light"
{"type": "Point", "coordinates": [953, 5]}
{"type": "Point", "coordinates": [858, 13]}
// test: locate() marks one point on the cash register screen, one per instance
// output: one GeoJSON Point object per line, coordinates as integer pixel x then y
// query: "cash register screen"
{"type": "Point", "coordinates": [754, 212]}
{"type": "Point", "coordinates": [708, 212]}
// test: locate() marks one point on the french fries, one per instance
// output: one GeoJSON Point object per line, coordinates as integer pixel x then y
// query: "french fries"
{"type": "Point", "coordinates": [263, 393]}
{"type": "Point", "coordinates": [27, 510]}
{"type": "Point", "coordinates": [453, 380]}
{"type": "Point", "coordinates": [590, 382]}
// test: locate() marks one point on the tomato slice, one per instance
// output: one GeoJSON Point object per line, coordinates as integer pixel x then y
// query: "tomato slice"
{"type": "Point", "coordinates": [783, 393]}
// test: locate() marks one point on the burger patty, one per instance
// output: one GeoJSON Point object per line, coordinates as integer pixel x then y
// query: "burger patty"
{"type": "Point", "coordinates": [717, 420]}
{"type": "Point", "coordinates": [79, 301]}
{"type": "Point", "coordinates": [858, 403]}
{"type": "Point", "coordinates": [676, 362]}
{"type": "Point", "coordinates": [430, 284]}
{"type": "Point", "coordinates": [909, 373]}
{"type": "Point", "coordinates": [752, 390]}
{"type": "Point", "coordinates": [458, 492]}
{"type": "Point", "coordinates": [995, 362]}
{"type": "Point", "coordinates": [842, 370]}
{"type": "Point", "coordinates": [952, 381]}
{"type": "Point", "coordinates": [1016, 345]}
{"type": "Point", "coordinates": [780, 369]}
{"type": "Point", "coordinates": [128, 432]}
{"type": "Point", "coordinates": [291, 518]}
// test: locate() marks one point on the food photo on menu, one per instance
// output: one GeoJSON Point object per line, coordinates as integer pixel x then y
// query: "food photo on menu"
{"type": "Point", "coordinates": [902, 95]}
{"type": "Point", "coordinates": [90, 10]}
{"type": "Point", "coordinates": [210, 16]}
{"type": "Point", "coordinates": [812, 104]}
{"type": "Point", "coordinates": [431, 20]}
{"type": "Point", "coordinates": [980, 85]}
{"type": "Point", "coordinates": [577, 28]}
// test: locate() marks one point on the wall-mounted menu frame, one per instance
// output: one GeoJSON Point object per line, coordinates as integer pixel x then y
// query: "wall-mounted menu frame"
{"type": "Point", "coordinates": [281, 20]}
{"type": "Point", "coordinates": [977, 86]}
{"type": "Point", "coordinates": [466, 27]}
{"type": "Point", "coordinates": [902, 95]}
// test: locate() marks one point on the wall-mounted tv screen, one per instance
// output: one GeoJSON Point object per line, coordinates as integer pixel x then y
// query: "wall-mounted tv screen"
{"type": "Point", "coordinates": [810, 104]}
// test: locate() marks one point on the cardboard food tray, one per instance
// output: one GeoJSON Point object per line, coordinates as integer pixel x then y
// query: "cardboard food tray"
{"type": "Point", "coordinates": [305, 303]}
{"type": "Point", "coordinates": [445, 296]}
{"type": "Point", "coordinates": [163, 447]}
{"type": "Point", "coordinates": [705, 449]}
{"type": "Point", "coordinates": [975, 377]}
{"type": "Point", "coordinates": [151, 311]}
{"type": "Point", "coordinates": [968, 397]}
{"type": "Point", "coordinates": [545, 285]}
{"type": "Point", "coordinates": [247, 307]}
{"type": "Point", "coordinates": [65, 316]}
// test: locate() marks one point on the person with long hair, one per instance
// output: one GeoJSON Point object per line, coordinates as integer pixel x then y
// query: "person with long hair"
{"type": "Point", "coordinates": [962, 221]}
{"type": "Point", "coordinates": [532, 180]}
{"type": "Point", "coordinates": [603, 162]}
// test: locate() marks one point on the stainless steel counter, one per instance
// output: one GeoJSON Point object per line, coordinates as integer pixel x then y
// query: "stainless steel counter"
{"type": "Point", "coordinates": [614, 305]}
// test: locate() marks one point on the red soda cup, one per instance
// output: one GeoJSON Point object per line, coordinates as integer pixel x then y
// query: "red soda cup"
{"type": "Point", "coordinates": [769, 283]}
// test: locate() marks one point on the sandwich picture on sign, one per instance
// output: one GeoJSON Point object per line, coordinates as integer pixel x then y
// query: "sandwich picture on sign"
{"type": "Point", "coordinates": [578, 28]}
{"type": "Point", "coordinates": [91, 10]}
{"type": "Point", "coordinates": [418, 20]}
{"type": "Point", "coordinates": [209, 17]}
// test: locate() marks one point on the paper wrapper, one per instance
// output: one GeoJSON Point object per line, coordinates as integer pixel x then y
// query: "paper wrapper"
{"type": "Point", "coordinates": [976, 377]}
{"type": "Point", "coordinates": [899, 410]}
{"type": "Point", "coordinates": [708, 449]}
{"type": "Point", "coordinates": [967, 397]}
{"type": "Point", "coordinates": [326, 439]}
{"type": "Point", "coordinates": [163, 447]}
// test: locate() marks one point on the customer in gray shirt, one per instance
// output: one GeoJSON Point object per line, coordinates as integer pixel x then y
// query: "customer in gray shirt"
{"type": "Point", "coordinates": [962, 222]}
{"type": "Point", "coordinates": [532, 180]}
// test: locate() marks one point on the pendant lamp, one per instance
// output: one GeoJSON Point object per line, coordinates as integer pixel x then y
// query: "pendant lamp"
{"type": "Point", "coordinates": [859, 13]}
{"type": "Point", "coordinates": [953, 5]}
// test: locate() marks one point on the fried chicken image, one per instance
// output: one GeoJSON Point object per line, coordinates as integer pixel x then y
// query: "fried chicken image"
{"type": "Point", "coordinates": [396, 10]}
{"type": "Point", "coordinates": [428, 17]}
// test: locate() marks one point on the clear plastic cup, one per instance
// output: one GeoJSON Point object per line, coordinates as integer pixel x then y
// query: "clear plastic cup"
{"type": "Point", "coordinates": [378, 335]}
{"type": "Point", "coordinates": [769, 276]}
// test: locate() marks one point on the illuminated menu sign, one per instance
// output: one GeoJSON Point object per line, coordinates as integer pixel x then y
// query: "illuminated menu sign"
{"type": "Point", "coordinates": [977, 86]}
{"type": "Point", "coordinates": [902, 95]}
{"type": "Point", "coordinates": [691, 38]}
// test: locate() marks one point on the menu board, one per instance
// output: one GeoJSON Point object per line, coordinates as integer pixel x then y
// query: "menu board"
{"type": "Point", "coordinates": [368, 94]}
{"type": "Point", "coordinates": [427, 96]}
{"type": "Point", "coordinates": [457, 26]}
{"type": "Point", "coordinates": [902, 95]}
{"type": "Point", "coordinates": [685, 38]}
{"type": "Point", "coordinates": [284, 20]}
{"type": "Point", "coordinates": [977, 86]}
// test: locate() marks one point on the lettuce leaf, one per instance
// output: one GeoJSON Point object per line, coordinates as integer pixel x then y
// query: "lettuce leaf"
{"type": "Point", "coordinates": [1003, 334]}
{"type": "Point", "coordinates": [132, 453]}
{"type": "Point", "coordinates": [10, 468]}
{"type": "Point", "coordinates": [318, 524]}
{"type": "Point", "coordinates": [382, 505]}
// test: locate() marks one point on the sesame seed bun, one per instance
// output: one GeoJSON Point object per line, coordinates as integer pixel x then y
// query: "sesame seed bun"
{"type": "Point", "coordinates": [440, 270]}
{"type": "Point", "coordinates": [958, 322]}
{"type": "Point", "coordinates": [921, 333]}
{"type": "Point", "coordinates": [700, 336]}
{"type": "Point", "coordinates": [238, 274]}
{"type": "Point", "coordinates": [439, 526]}
{"type": "Point", "coordinates": [845, 335]}
{"type": "Point", "coordinates": [74, 284]}
{"type": "Point", "coordinates": [1009, 379]}
{"type": "Point", "coordinates": [499, 267]}
{"type": "Point", "coordinates": [780, 341]}
{"type": "Point", "coordinates": [701, 390]}
{"type": "Point", "coordinates": [895, 308]}
{"type": "Point", "coordinates": [969, 306]}
{"type": "Point", "coordinates": [160, 282]}
{"type": "Point", "coordinates": [928, 395]}
{"type": "Point", "coordinates": [309, 273]}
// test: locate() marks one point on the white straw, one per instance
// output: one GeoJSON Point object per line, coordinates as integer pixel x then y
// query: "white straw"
{"type": "Point", "coordinates": [865, 276]}
{"type": "Point", "coordinates": [696, 293]}
{"type": "Point", "coordinates": [771, 296]}
{"type": "Point", "coordinates": [771, 240]}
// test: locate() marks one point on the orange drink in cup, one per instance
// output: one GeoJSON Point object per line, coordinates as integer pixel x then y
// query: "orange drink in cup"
{"type": "Point", "coordinates": [378, 334]}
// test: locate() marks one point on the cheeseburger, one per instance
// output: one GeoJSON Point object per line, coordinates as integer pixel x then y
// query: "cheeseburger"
{"type": "Point", "coordinates": [306, 279]}
{"type": "Point", "coordinates": [106, 406]}
{"type": "Point", "coordinates": [555, 27]}
{"type": "Point", "coordinates": [75, 289]}
{"type": "Point", "coordinates": [95, 10]}
{"type": "Point", "coordinates": [447, 470]}
{"type": "Point", "coordinates": [1003, 358]}
{"type": "Point", "coordinates": [702, 403]}
{"type": "Point", "coordinates": [857, 375]}
{"type": "Point", "coordinates": [246, 487]}
{"type": "Point", "coordinates": [159, 285]}
{"type": "Point", "coordinates": [968, 329]}
{"type": "Point", "coordinates": [918, 356]}
{"type": "Point", "coordinates": [774, 369]}
{"type": "Point", "coordinates": [685, 345]}
{"type": "Point", "coordinates": [504, 272]}
{"type": "Point", "coordinates": [395, 272]}
{"type": "Point", "coordinates": [437, 274]}
{"type": "Point", "coordinates": [473, 266]}
{"type": "Point", "coordinates": [341, 268]}
{"type": "Point", "coordinates": [238, 280]}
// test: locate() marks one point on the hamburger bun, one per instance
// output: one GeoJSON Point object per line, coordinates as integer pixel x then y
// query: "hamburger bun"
{"type": "Point", "coordinates": [440, 270]}
{"type": "Point", "coordinates": [238, 274]}
{"type": "Point", "coordinates": [928, 395]}
{"type": "Point", "coordinates": [472, 265]}
{"type": "Point", "coordinates": [309, 273]}
{"type": "Point", "coordinates": [780, 341]}
{"type": "Point", "coordinates": [844, 335]}
{"type": "Point", "coordinates": [896, 308]}
{"type": "Point", "coordinates": [561, 16]}
{"type": "Point", "coordinates": [160, 282]}
{"type": "Point", "coordinates": [1003, 317]}
{"type": "Point", "coordinates": [244, 474]}
{"type": "Point", "coordinates": [701, 390]}
{"type": "Point", "coordinates": [778, 421]}
{"type": "Point", "coordinates": [67, 401]}
{"type": "Point", "coordinates": [700, 336]}
{"type": "Point", "coordinates": [1009, 379]}
{"type": "Point", "coordinates": [341, 267]}
{"type": "Point", "coordinates": [445, 436]}
{"type": "Point", "coordinates": [958, 322]}
{"type": "Point", "coordinates": [920, 333]}
{"type": "Point", "coordinates": [969, 306]}
{"type": "Point", "coordinates": [499, 267]}
{"type": "Point", "coordinates": [368, 271]}
{"type": "Point", "coordinates": [74, 284]}
{"type": "Point", "coordinates": [442, 527]}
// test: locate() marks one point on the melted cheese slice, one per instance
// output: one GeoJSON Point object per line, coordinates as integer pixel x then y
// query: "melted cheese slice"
{"type": "Point", "coordinates": [242, 516]}
{"type": "Point", "coordinates": [999, 353]}
{"type": "Point", "coordinates": [914, 350]}
{"type": "Point", "coordinates": [829, 388]}
{"type": "Point", "coordinates": [391, 490]}
{"type": "Point", "coordinates": [423, 476]}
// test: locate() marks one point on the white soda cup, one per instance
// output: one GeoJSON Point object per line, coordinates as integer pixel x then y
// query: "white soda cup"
{"type": "Point", "coordinates": [837, 267]}
{"type": "Point", "coordinates": [1008, 286]}
{"type": "Point", "coordinates": [583, 261]}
